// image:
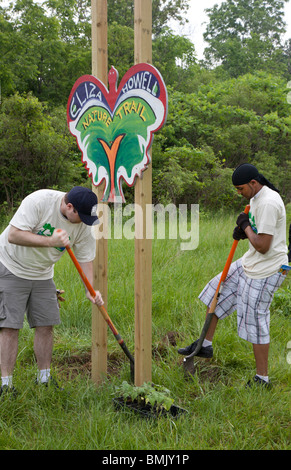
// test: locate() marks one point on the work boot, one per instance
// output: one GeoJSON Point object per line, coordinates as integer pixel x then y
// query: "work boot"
{"type": "Point", "coordinates": [205, 351]}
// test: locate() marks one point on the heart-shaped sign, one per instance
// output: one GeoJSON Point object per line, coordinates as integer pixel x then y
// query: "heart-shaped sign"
{"type": "Point", "coordinates": [114, 129]}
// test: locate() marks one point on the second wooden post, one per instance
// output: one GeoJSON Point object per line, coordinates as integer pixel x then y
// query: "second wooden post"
{"type": "Point", "coordinates": [99, 327]}
{"type": "Point", "coordinates": [143, 197]}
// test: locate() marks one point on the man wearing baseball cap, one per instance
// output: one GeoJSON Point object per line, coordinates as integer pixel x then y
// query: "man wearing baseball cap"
{"type": "Point", "coordinates": [84, 202]}
{"type": "Point", "coordinates": [35, 239]}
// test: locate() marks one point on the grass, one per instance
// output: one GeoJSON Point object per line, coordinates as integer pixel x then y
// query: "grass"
{"type": "Point", "coordinates": [222, 414]}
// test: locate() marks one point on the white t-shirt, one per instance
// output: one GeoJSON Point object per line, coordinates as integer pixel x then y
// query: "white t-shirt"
{"type": "Point", "coordinates": [40, 213]}
{"type": "Point", "coordinates": [267, 215]}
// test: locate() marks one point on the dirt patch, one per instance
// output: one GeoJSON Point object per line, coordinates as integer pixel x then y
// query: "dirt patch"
{"type": "Point", "coordinates": [171, 338]}
{"type": "Point", "coordinates": [74, 365]}
{"type": "Point", "coordinates": [81, 364]}
{"type": "Point", "coordinates": [160, 349]}
{"type": "Point", "coordinates": [210, 373]}
{"type": "Point", "coordinates": [205, 369]}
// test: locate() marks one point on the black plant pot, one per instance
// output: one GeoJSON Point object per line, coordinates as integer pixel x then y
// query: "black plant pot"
{"type": "Point", "coordinates": [147, 410]}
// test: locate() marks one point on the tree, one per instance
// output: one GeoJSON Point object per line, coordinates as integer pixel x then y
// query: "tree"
{"type": "Point", "coordinates": [244, 35]}
{"type": "Point", "coordinates": [46, 47]}
{"type": "Point", "coordinates": [74, 17]}
{"type": "Point", "coordinates": [120, 47]}
{"type": "Point", "coordinates": [34, 152]}
{"type": "Point", "coordinates": [8, 47]}
{"type": "Point", "coordinates": [286, 60]}
{"type": "Point", "coordinates": [174, 57]}
{"type": "Point", "coordinates": [210, 132]}
{"type": "Point", "coordinates": [35, 54]}
{"type": "Point", "coordinates": [122, 12]}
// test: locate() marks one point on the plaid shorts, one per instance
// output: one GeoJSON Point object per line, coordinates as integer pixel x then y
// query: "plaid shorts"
{"type": "Point", "coordinates": [251, 298]}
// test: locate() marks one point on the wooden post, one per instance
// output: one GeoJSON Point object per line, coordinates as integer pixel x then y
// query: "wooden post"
{"type": "Point", "coordinates": [99, 327]}
{"type": "Point", "coordinates": [143, 196]}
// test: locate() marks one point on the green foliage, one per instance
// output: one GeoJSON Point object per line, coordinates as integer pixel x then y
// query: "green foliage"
{"type": "Point", "coordinates": [282, 299]}
{"type": "Point", "coordinates": [46, 47]}
{"type": "Point", "coordinates": [155, 395]}
{"type": "Point", "coordinates": [214, 122]}
{"type": "Point", "coordinates": [211, 131]}
{"type": "Point", "coordinates": [34, 150]}
{"type": "Point", "coordinates": [51, 48]}
{"type": "Point", "coordinates": [174, 57]}
{"type": "Point", "coordinates": [191, 175]}
{"type": "Point", "coordinates": [246, 36]}
{"type": "Point", "coordinates": [122, 12]}
{"type": "Point", "coordinates": [120, 47]}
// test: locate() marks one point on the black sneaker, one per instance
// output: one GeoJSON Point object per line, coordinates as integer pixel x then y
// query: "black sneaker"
{"type": "Point", "coordinates": [51, 382]}
{"type": "Point", "coordinates": [258, 381]}
{"type": "Point", "coordinates": [205, 351]}
{"type": "Point", "coordinates": [9, 391]}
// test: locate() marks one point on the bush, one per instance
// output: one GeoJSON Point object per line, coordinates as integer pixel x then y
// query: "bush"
{"type": "Point", "coordinates": [36, 149]}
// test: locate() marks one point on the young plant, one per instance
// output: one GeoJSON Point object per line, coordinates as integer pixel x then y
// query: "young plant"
{"type": "Point", "coordinates": [156, 396]}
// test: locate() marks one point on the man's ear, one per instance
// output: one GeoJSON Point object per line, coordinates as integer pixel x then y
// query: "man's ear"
{"type": "Point", "coordinates": [254, 183]}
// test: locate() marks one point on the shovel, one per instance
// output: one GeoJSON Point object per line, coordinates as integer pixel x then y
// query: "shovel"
{"type": "Point", "coordinates": [213, 304]}
{"type": "Point", "coordinates": [103, 312]}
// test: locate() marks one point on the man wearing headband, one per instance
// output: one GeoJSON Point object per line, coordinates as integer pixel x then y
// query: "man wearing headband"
{"type": "Point", "coordinates": [252, 280]}
{"type": "Point", "coordinates": [34, 241]}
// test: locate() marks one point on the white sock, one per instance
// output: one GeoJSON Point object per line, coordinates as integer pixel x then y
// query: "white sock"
{"type": "Point", "coordinates": [263, 377]}
{"type": "Point", "coordinates": [206, 343]}
{"type": "Point", "coordinates": [7, 381]}
{"type": "Point", "coordinates": [43, 375]}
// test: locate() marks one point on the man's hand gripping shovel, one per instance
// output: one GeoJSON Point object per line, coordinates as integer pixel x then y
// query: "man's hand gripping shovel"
{"type": "Point", "coordinates": [187, 363]}
{"type": "Point", "coordinates": [103, 311]}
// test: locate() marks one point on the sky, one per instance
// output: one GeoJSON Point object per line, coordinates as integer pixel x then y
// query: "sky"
{"type": "Point", "coordinates": [195, 28]}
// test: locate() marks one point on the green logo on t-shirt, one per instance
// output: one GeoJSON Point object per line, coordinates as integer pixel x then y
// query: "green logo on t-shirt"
{"type": "Point", "coordinates": [253, 222]}
{"type": "Point", "coordinates": [47, 231]}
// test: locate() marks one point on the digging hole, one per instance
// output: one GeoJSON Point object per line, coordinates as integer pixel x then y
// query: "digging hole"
{"type": "Point", "coordinates": [75, 365]}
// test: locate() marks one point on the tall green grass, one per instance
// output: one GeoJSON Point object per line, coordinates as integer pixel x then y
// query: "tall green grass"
{"type": "Point", "coordinates": [222, 413]}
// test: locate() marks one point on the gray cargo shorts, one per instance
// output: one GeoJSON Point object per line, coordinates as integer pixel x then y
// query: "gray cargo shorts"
{"type": "Point", "coordinates": [36, 298]}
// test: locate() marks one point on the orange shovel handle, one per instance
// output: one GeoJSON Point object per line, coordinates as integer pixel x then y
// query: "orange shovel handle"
{"type": "Point", "coordinates": [230, 256]}
{"type": "Point", "coordinates": [102, 309]}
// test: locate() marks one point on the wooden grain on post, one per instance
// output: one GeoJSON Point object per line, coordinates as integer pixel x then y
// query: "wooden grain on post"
{"type": "Point", "coordinates": [143, 196]}
{"type": "Point", "coordinates": [99, 327]}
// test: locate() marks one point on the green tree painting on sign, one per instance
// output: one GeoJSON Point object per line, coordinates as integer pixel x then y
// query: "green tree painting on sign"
{"type": "Point", "coordinates": [114, 129]}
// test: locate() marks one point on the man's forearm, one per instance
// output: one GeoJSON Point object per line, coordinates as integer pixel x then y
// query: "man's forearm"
{"type": "Point", "coordinates": [59, 238]}
{"type": "Point", "coordinates": [88, 271]}
{"type": "Point", "coordinates": [26, 238]}
{"type": "Point", "coordinates": [261, 242]}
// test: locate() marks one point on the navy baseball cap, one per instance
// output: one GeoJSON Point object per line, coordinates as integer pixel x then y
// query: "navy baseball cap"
{"type": "Point", "coordinates": [85, 202]}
